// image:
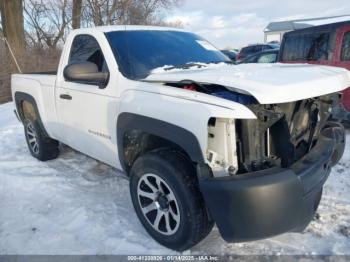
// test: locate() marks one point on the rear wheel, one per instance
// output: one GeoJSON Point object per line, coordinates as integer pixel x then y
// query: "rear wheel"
{"type": "Point", "coordinates": [167, 200]}
{"type": "Point", "coordinates": [40, 146]}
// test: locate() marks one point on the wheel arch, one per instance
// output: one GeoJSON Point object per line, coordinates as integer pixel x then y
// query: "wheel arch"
{"type": "Point", "coordinates": [147, 130]}
{"type": "Point", "coordinates": [20, 98]}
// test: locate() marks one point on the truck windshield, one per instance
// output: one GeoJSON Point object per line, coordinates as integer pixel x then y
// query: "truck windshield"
{"type": "Point", "coordinates": [138, 52]}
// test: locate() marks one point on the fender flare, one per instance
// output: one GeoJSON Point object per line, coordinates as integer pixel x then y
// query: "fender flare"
{"type": "Point", "coordinates": [178, 135]}
{"type": "Point", "coordinates": [19, 98]}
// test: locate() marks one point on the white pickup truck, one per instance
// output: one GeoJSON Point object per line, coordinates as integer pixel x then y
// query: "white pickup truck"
{"type": "Point", "coordinates": [247, 147]}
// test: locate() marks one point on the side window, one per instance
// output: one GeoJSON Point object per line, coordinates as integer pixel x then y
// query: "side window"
{"type": "Point", "coordinates": [251, 59]}
{"type": "Point", "coordinates": [257, 48]}
{"type": "Point", "coordinates": [308, 47]}
{"type": "Point", "coordinates": [85, 48]}
{"type": "Point", "coordinates": [245, 50]}
{"type": "Point", "coordinates": [345, 48]}
{"type": "Point", "coordinates": [268, 58]}
{"type": "Point", "coordinates": [319, 48]}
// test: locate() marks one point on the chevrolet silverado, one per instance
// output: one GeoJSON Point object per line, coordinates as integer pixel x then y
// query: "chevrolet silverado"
{"type": "Point", "coordinates": [247, 147]}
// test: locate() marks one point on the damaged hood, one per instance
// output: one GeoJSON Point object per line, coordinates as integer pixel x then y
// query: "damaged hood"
{"type": "Point", "coordinates": [268, 83]}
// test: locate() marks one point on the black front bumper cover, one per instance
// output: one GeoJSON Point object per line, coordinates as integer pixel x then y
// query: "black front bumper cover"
{"type": "Point", "coordinates": [276, 200]}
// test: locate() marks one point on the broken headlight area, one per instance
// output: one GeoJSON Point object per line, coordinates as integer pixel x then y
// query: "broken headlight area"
{"type": "Point", "coordinates": [281, 134]}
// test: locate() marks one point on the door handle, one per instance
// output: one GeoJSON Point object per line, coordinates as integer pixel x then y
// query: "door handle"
{"type": "Point", "coordinates": [65, 96]}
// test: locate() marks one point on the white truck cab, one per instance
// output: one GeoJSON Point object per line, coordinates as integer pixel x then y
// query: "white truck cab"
{"type": "Point", "coordinates": [247, 147]}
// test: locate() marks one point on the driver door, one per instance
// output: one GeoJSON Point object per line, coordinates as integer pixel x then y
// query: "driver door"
{"type": "Point", "coordinates": [84, 109]}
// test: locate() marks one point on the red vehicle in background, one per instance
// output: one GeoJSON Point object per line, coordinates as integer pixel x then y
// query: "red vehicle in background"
{"type": "Point", "coordinates": [323, 45]}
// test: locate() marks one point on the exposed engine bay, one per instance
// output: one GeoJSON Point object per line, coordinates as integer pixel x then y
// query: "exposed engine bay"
{"type": "Point", "coordinates": [281, 134]}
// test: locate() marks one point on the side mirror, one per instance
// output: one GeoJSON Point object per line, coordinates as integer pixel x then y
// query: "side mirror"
{"type": "Point", "coordinates": [85, 73]}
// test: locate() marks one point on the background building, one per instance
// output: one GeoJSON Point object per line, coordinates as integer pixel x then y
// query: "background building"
{"type": "Point", "coordinates": [274, 31]}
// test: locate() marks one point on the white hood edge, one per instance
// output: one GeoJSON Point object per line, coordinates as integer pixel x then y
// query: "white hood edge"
{"type": "Point", "coordinates": [268, 83]}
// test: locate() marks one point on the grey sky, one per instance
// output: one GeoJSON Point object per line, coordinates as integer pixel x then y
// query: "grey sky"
{"type": "Point", "coordinates": [236, 23]}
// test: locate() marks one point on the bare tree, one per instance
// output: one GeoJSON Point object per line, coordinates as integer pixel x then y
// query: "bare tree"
{"type": "Point", "coordinates": [12, 24]}
{"type": "Point", "coordinates": [103, 12]}
{"type": "Point", "coordinates": [176, 23]}
{"type": "Point", "coordinates": [149, 9]}
{"type": "Point", "coordinates": [1, 31]}
{"type": "Point", "coordinates": [96, 11]}
{"type": "Point", "coordinates": [47, 21]}
{"type": "Point", "coordinates": [109, 12]}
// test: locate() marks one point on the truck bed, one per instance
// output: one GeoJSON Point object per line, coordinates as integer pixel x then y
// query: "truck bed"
{"type": "Point", "coordinates": [46, 79]}
{"type": "Point", "coordinates": [41, 73]}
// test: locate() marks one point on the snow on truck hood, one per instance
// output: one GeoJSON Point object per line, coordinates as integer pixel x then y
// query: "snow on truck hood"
{"type": "Point", "coordinates": [268, 83]}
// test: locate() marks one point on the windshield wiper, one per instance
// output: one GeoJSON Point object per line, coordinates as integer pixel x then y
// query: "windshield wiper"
{"type": "Point", "coordinates": [185, 66]}
{"type": "Point", "coordinates": [218, 62]}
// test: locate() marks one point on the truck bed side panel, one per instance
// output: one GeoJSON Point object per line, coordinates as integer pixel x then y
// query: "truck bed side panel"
{"type": "Point", "coordinates": [41, 88]}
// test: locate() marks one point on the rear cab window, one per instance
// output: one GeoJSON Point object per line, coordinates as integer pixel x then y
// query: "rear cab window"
{"type": "Point", "coordinates": [317, 46]}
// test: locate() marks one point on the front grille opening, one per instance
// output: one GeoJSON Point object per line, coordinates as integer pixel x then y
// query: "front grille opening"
{"type": "Point", "coordinates": [282, 133]}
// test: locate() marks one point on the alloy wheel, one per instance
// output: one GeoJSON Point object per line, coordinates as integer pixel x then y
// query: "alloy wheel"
{"type": "Point", "coordinates": [158, 204]}
{"type": "Point", "coordinates": [32, 138]}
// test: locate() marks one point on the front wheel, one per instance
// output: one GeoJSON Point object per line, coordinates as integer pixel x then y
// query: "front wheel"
{"type": "Point", "coordinates": [167, 200]}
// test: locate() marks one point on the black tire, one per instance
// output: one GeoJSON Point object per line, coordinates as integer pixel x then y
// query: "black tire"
{"type": "Point", "coordinates": [178, 173]}
{"type": "Point", "coordinates": [47, 148]}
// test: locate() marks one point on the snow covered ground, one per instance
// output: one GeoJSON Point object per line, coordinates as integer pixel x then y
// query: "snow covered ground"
{"type": "Point", "coordinates": [76, 205]}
